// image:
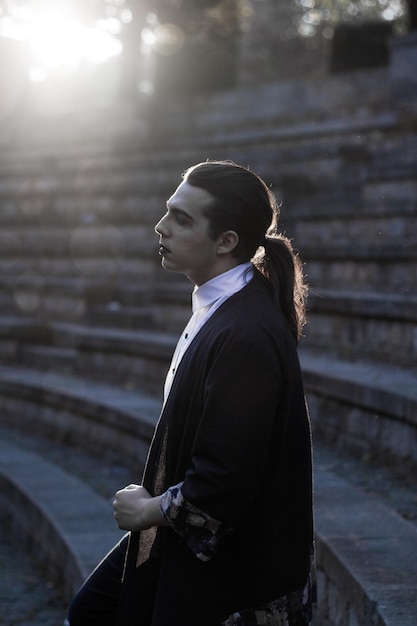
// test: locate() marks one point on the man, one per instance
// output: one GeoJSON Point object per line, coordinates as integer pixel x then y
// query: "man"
{"type": "Point", "coordinates": [221, 529]}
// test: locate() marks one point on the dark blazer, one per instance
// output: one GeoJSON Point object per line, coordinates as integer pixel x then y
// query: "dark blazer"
{"type": "Point", "coordinates": [236, 431]}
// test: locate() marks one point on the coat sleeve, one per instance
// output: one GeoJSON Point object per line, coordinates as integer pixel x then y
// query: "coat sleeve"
{"type": "Point", "coordinates": [242, 395]}
{"type": "Point", "coordinates": [202, 533]}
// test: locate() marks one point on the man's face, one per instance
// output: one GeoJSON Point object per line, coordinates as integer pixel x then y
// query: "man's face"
{"type": "Point", "coordinates": [185, 245]}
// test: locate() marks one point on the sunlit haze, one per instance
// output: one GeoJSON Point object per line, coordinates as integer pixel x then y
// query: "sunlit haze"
{"type": "Point", "coordinates": [56, 38]}
{"type": "Point", "coordinates": [64, 55]}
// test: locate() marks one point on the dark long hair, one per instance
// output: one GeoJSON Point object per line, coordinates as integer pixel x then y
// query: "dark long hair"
{"type": "Point", "coordinates": [243, 203]}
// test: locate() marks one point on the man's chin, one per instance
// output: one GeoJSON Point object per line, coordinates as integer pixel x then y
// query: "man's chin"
{"type": "Point", "coordinates": [168, 266]}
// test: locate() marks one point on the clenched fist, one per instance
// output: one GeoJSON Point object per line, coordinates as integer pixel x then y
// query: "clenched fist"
{"type": "Point", "coordinates": [135, 509]}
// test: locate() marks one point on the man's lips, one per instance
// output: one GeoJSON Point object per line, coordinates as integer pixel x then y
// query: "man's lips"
{"type": "Point", "coordinates": [163, 249]}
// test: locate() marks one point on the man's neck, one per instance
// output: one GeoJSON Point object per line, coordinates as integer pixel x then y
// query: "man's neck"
{"type": "Point", "coordinates": [218, 271]}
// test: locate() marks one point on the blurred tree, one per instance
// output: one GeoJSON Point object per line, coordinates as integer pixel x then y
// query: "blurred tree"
{"type": "Point", "coordinates": [197, 44]}
{"type": "Point", "coordinates": [317, 15]}
{"type": "Point", "coordinates": [198, 51]}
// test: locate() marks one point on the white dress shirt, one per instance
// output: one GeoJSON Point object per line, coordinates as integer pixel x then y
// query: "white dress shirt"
{"type": "Point", "coordinates": [206, 299]}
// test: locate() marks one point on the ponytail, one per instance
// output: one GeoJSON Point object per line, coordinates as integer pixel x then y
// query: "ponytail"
{"type": "Point", "coordinates": [282, 267]}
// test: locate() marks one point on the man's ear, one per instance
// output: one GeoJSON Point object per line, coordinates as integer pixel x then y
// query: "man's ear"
{"type": "Point", "coordinates": [227, 242]}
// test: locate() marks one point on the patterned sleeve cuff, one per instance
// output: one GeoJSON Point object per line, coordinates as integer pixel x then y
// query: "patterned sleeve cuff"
{"type": "Point", "coordinates": [202, 533]}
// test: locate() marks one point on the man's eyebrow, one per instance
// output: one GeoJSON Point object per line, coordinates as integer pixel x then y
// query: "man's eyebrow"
{"type": "Point", "coordinates": [178, 211]}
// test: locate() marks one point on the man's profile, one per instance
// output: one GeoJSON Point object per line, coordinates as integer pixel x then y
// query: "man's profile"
{"type": "Point", "coordinates": [220, 530]}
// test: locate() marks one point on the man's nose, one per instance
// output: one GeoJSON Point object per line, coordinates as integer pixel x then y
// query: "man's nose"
{"type": "Point", "coordinates": [160, 228]}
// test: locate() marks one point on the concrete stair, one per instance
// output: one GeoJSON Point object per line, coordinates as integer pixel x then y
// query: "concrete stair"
{"type": "Point", "coordinates": [360, 536]}
{"type": "Point", "coordinates": [51, 513]}
{"type": "Point", "coordinates": [88, 321]}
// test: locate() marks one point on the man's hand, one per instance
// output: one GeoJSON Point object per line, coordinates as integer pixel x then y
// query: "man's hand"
{"type": "Point", "coordinates": [135, 509]}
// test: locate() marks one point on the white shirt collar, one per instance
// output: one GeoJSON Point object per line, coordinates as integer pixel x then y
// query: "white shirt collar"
{"type": "Point", "coordinates": [222, 285]}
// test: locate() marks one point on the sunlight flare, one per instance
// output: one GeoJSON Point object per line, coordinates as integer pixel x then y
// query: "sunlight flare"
{"type": "Point", "coordinates": [56, 39]}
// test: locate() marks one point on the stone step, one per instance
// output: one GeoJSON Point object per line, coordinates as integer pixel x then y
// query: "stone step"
{"type": "Point", "coordinates": [55, 516]}
{"type": "Point", "coordinates": [357, 228]}
{"type": "Point", "coordinates": [114, 315]}
{"type": "Point", "coordinates": [51, 304]}
{"type": "Point", "coordinates": [390, 194]}
{"type": "Point", "coordinates": [393, 156]}
{"type": "Point", "coordinates": [95, 299]}
{"type": "Point", "coordinates": [342, 142]}
{"type": "Point", "coordinates": [281, 105]}
{"type": "Point", "coordinates": [37, 273]}
{"type": "Point", "coordinates": [365, 556]}
{"type": "Point", "coordinates": [388, 197]}
{"type": "Point", "coordinates": [374, 305]}
{"type": "Point", "coordinates": [367, 406]}
{"type": "Point", "coordinates": [97, 416]}
{"type": "Point", "coordinates": [83, 241]}
{"type": "Point", "coordinates": [72, 209]}
{"type": "Point", "coordinates": [374, 326]}
{"type": "Point", "coordinates": [386, 269]}
{"type": "Point", "coordinates": [365, 549]}
{"type": "Point", "coordinates": [28, 596]}
{"type": "Point", "coordinates": [138, 359]}
{"type": "Point", "coordinates": [97, 289]}
{"type": "Point", "coordinates": [114, 177]}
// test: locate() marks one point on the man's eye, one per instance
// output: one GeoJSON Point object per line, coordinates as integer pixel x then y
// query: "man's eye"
{"type": "Point", "coordinates": [181, 220]}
